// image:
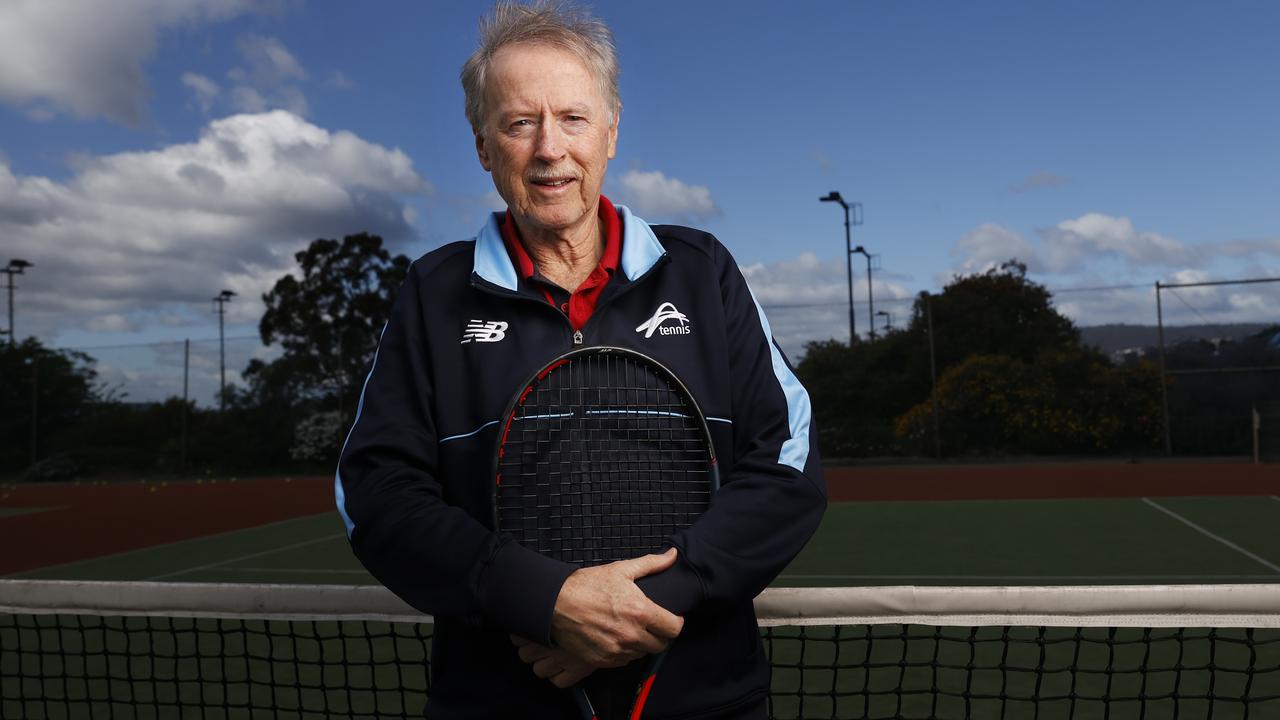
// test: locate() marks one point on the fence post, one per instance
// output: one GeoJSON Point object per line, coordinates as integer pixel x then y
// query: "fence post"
{"type": "Point", "coordinates": [933, 379]}
{"type": "Point", "coordinates": [35, 408]}
{"type": "Point", "coordinates": [186, 374]}
{"type": "Point", "coordinates": [1164, 391]}
{"type": "Point", "coordinates": [1257, 428]}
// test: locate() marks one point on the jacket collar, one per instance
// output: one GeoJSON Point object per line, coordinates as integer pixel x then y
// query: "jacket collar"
{"type": "Point", "coordinates": [640, 250]}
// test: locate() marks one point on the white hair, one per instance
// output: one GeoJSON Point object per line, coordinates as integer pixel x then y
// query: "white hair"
{"type": "Point", "coordinates": [557, 23]}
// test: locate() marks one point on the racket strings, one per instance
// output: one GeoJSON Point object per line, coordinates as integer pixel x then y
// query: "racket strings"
{"type": "Point", "coordinates": [604, 461]}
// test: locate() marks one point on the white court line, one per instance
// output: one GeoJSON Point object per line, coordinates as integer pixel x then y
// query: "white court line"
{"type": "Point", "coordinates": [1276, 498]}
{"type": "Point", "coordinates": [1206, 533]}
{"type": "Point", "coordinates": [163, 546]}
{"type": "Point", "coordinates": [272, 551]}
{"type": "Point", "coordinates": [299, 571]}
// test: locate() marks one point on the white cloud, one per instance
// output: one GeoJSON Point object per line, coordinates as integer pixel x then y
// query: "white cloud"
{"type": "Point", "coordinates": [1088, 242]}
{"type": "Point", "coordinates": [87, 57]}
{"type": "Point", "coordinates": [656, 197]}
{"type": "Point", "coordinates": [268, 81]}
{"type": "Point", "coordinates": [146, 235]}
{"type": "Point", "coordinates": [1093, 262]}
{"type": "Point", "coordinates": [806, 298]}
{"type": "Point", "coordinates": [988, 246]}
{"type": "Point", "coordinates": [269, 60]}
{"type": "Point", "coordinates": [204, 89]}
{"type": "Point", "coordinates": [1071, 243]}
{"type": "Point", "coordinates": [247, 100]}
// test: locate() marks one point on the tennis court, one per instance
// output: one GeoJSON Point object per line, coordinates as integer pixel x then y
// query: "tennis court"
{"type": "Point", "coordinates": [269, 530]}
{"type": "Point", "coordinates": [1023, 525]}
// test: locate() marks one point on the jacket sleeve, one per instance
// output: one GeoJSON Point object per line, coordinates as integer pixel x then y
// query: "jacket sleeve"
{"type": "Point", "coordinates": [770, 504]}
{"type": "Point", "coordinates": [434, 555]}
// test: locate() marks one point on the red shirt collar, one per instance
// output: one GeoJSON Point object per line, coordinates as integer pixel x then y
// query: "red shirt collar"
{"type": "Point", "coordinates": [612, 242]}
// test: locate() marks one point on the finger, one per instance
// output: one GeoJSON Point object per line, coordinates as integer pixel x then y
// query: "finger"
{"type": "Point", "coordinates": [571, 676]}
{"type": "Point", "coordinates": [648, 644]}
{"type": "Point", "coordinates": [533, 652]}
{"type": "Point", "coordinates": [547, 667]}
{"type": "Point", "coordinates": [519, 641]}
{"type": "Point", "coordinates": [663, 623]}
{"type": "Point", "coordinates": [648, 564]}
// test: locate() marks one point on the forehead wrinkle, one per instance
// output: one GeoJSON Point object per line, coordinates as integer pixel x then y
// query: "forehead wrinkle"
{"type": "Point", "coordinates": [568, 87]}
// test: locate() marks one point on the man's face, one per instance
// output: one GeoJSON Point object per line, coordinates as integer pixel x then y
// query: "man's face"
{"type": "Point", "coordinates": [547, 135]}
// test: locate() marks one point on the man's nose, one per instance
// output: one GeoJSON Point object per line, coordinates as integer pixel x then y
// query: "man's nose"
{"type": "Point", "coordinates": [551, 142]}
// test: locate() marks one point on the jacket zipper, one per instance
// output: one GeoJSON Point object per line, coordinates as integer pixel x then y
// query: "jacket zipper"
{"type": "Point", "coordinates": [578, 338]}
{"type": "Point", "coordinates": [482, 284]}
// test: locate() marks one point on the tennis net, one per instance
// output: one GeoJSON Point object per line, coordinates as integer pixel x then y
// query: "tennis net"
{"type": "Point", "coordinates": [170, 650]}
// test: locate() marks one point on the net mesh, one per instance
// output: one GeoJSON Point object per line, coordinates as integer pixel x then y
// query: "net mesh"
{"type": "Point", "coordinates": [133, 650]}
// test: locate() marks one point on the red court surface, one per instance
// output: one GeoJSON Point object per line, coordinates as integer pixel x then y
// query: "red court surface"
{"type": "Point", "coordinates": [42, 525]}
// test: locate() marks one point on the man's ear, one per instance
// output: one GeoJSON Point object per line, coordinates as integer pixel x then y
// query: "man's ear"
{"type": "Point", "coordinates": [613, 132]}
{"type": "Point", "coordinates": [482, 152]}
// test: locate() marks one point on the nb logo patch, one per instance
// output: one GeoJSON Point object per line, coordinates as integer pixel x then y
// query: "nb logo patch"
{"type": "Point", "coordinates": [666, 311]}
{"type": "Point", "coordinates": [482, 331]}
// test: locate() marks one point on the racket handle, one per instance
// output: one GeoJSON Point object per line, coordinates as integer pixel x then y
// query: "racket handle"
{"type": "Point", "coordinates": [585, 711]}
{"type": "Point", "coordinates": [642, 691]}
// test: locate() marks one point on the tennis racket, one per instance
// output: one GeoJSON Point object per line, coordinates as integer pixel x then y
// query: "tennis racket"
{"type": "Point", "coordinates": [603, 455]}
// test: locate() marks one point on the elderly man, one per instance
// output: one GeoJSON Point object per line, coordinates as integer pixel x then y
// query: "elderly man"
{"type": "Point", "coordinates": [564, 267]}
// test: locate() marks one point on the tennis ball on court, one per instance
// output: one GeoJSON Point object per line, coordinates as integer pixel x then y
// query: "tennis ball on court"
{"type": "Point", "coordinates": [152, 488]}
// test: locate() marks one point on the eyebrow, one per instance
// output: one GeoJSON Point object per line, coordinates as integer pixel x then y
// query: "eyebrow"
{"type": "Point", "coordinates": [524, 111]}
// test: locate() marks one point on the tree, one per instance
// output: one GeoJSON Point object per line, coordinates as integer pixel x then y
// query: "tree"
{"type": "Point", "coordinates": [998, 312]}
{"type": "Point", "coordinates": [858, 391]}
{"type": "Point", "coordinates": [1062, 402]}
{"type": "Point", "coordinates": [328, 321]}
{"type": "Point", "coordinates": [57, 385]}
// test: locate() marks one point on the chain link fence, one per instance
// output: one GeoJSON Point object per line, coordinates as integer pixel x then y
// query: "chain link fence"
{"type": "Point", "coordinates": [158, 407]}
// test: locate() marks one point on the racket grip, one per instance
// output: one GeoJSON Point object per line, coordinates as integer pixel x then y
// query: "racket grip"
{"type": "Point", "coordinates": [642, 691]}
{"type": "Point", "coordinates": [585, 711]}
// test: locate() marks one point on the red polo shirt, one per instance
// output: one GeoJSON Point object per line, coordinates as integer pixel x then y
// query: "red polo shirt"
{"type": "Point", "coordinates": [579, 304]}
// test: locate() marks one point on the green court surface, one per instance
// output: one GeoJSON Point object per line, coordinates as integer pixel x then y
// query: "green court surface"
{"type": "Point", "coordinates": [1014, 542]}
{"type": "Point", "coordinates": [850, 671]}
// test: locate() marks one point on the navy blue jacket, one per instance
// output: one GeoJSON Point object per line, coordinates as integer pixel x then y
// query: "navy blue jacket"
{"type": "Point", "coordinates": [415, 477]}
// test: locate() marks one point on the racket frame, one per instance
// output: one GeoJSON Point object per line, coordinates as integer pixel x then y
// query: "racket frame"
{"type": "Point", "coordinates": [713, 477]}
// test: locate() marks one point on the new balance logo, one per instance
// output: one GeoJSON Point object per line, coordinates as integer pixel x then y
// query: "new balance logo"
{"type": "Point", "coordinates": [666, 311]}
{"type": "Point", "coordinates": [481, 331]}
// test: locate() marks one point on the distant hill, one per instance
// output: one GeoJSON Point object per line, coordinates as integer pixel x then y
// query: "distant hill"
{"type": "Point", "coordinates": [1114, 338]}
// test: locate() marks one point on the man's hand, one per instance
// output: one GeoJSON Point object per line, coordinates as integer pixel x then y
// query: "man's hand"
{"type": "Point", "coordinates": [560, 667]}
{"type": "Point", "coordinates": [604, 620]}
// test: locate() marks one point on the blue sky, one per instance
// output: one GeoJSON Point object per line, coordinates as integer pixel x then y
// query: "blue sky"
{"type": "Point", "coordinates": [1105, 144]}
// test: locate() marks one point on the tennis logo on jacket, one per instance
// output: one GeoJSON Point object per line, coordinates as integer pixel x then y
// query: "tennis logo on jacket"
{"type": "Point", "coordinates": [666, 311]}
{"type": "Point", "coordinates": [482, 331]}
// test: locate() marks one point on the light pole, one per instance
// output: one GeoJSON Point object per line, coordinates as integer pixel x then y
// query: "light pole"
{"type": "Point", "coordinates": [834, 196]}
{"type": "Point", "coordinates": [15, 267]}
{"type": "Point", "coordinates": [888, 320]}
{"type": "Point", "coordinates": [220, 301]}
{"type": "Point", "coordinates": [871, 305]}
